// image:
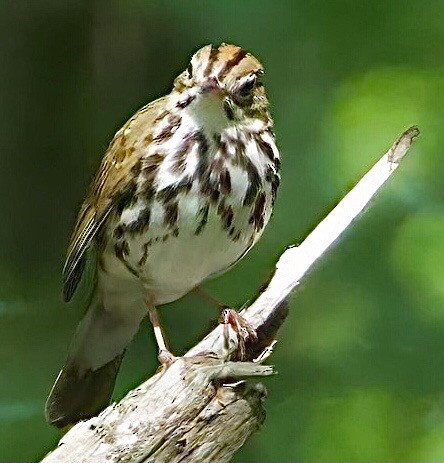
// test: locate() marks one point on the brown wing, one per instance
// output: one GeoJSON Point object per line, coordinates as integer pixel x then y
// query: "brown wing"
{"type": "Point", "coordinates": [113, 183]}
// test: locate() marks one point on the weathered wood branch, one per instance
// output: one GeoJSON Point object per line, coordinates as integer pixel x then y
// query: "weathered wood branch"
{"type": "Point", "coordinates": [198, 410]}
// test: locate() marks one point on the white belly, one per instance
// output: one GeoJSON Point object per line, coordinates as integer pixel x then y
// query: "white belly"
{"type": "Point", "coordinates": [178, 265]}
{"type": "Point", "coordinates": [173, 252]}
{"type": "Point", "coordinates": [169, 266]}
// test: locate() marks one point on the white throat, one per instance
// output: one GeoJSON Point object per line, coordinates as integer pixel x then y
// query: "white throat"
{"type": "Point", "coordinates": [207, 112]}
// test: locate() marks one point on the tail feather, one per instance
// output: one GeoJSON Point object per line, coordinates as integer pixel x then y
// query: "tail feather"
{"type": "Point", "coordinates": [85, 384]}
{"type": "Point", "coordinates": [76, 396]}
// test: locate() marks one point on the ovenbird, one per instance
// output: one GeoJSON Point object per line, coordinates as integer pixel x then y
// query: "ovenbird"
{"type": "Point", "coordinates": [183, 192]}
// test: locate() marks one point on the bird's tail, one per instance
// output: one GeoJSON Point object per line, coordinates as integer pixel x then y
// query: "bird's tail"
{"type": "Point", "coordinates": [85, 384]}
{"type": "Point", "coordinates": [80, 395]}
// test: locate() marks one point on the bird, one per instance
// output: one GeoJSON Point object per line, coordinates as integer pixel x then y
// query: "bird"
{"type": "Point", "coordinates": [183, 192]}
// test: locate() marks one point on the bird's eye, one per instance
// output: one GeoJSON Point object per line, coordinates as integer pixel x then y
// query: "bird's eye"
{"type": "Point", "coordinates": [247, 87]}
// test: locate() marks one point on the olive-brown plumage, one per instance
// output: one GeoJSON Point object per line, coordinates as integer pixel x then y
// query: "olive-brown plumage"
{"type": "Point", "coordinates": [184, 190]}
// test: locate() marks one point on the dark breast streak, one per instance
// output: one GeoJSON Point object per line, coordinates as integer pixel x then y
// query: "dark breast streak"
{"type": "Point", "coordinates": [214, 185]}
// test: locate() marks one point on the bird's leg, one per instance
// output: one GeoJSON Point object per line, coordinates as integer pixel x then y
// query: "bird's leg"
{"type": "Point", "coordinates": [166, 358]}
{"type": "Point", "coordinates": [241, 327]}
{"type": "Point", "coordinates": [229, 317]}
{"type": "Point", "coordinates": [209, 298]}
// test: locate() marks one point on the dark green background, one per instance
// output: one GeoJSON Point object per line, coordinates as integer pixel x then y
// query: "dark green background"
{"type": "Point", "coordinates": [360, 358]}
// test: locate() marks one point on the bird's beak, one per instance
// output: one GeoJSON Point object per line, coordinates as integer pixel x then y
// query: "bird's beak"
{"type": "Point", "coordinates": [212, 86]}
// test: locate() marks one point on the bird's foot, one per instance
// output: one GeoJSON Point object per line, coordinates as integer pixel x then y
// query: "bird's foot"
{"type": "Point", "coordinates": [166, 358]}
{"type": "Point", "coordinates": [243, 330]}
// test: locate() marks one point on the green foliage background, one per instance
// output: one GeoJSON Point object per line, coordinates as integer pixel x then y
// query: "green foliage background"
{"type": "Point", "coordinates": [361, 355]}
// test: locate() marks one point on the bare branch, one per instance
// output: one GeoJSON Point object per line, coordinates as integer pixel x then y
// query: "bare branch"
{"type": "Point", "coordinates": [187, 413]}
{"type": "Point", "coordinates": [296, 261]}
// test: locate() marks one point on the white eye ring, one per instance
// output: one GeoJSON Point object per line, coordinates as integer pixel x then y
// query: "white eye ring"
{"type": "Point", "coordinates": [245, 88]}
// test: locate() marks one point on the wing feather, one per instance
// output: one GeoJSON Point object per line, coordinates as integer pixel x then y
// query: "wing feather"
{"type": "Point", "coordinates": [112, 181]}
{"type": "Point", "coordinates": [76, 259]}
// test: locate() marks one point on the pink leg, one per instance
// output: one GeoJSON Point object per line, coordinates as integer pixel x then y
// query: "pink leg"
{"type": "Point", "coordinates": [229, 317]}
{"type": "Point", "coordinates": [243, 330]}
{"type": "Point", "coordinates": [166, 358]}
{"type": "Point", "coordinates": [209, 298]}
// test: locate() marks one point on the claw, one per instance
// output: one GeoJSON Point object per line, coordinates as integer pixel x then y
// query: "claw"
{"type": "Point", "coordinates": [166, 358]}
{"type": "Point", "coordinates": [240, 326]}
